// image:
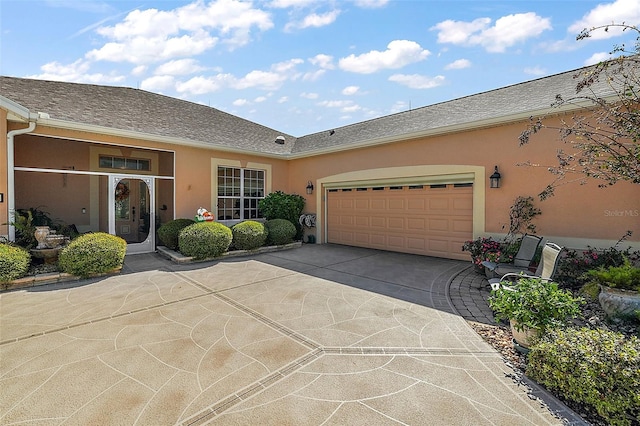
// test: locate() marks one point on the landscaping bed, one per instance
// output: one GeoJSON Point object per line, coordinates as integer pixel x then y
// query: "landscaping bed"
{"type": "Point", "coordinates": [592, 316]}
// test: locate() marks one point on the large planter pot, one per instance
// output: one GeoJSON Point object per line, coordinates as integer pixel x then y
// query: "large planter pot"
{"type": "Point", "coordinates": [619, 303]}
{"type": "Point", "coordinates": [524, 337]}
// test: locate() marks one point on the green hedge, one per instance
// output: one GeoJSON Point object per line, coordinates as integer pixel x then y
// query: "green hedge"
{"type": "Point", "coordinates": [279, 205]}
{"type": "Point", "coordinates": [168, 232]}
{"type": "Point", "coordinates": [599, 369]}
{"type": "Point", "coordinates": [14, 263]}
{"type": "Point", "coordinates": [204, 239]}
{"type": "Point", "coordinates": [249, 235]}
{"type": "Point", "coordinates": [280, 231]}
{"type": "Point", "coordinates": [91, 254]}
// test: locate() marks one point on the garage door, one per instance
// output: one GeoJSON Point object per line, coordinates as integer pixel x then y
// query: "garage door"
{"type": "Point", "coordinates": [432, 220]}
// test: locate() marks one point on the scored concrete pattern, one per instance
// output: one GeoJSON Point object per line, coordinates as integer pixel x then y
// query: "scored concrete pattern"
{"type": "Point", "coordinates": [318, 335]}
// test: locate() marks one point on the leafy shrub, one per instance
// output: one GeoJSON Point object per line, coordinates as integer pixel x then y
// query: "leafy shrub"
{"type": "Point", "coordinates": [204, 239]}
{"type": "Point", "coordinates": [14, 263]}
{"type": "Point", "coordinates": [249, 235]}
{"type": "Point", "coordinates": [168, 232]}
{"type": "Point", "coordinates": [534, 303]}
{"type": "Point", "coordinates": [280, 231]}
{"type": "Point", "coordinates": [90, 254]}
{"type": "Point", "coordinates": [597, 368]}
{"type": "Point", "coordinates": [573, 266]}
{"type": "Point", "coordinates": [479, 247]}
{"type": "Point", "coordinates": [625, 277]}
{"type": "Point", "coordinates": [279, 205]}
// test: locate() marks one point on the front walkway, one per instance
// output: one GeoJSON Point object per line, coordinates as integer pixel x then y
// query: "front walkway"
{"type": "Point", "coordinates": [318, 335]}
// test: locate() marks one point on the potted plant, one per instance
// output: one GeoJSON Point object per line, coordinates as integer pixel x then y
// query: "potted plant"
{"type": "Point", "coordinates": [619, 289]}
{"type": "Point", "coordinates": [533, 306]}
{"type": "Point", "coordinates": [478, 249]}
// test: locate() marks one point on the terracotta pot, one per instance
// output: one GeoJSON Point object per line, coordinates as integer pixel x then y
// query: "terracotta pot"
{"type": "Point", "coordinates": [619, 303]}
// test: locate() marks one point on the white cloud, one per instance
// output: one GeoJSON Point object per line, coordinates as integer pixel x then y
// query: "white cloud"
{"type": "Point", "coordinates": [179, 67]}
{"type": "Point", "coordinates": [260, 99]}
{"type": "Point", "coordinates": [597, 57]}
{"type": "Point", "coordinates": [371, 4]}
{"type": "Point", "coordinates": [458, 64]}
{"type": "Point", "coordinates": [350, 90]}
{"type": "Point", "coordinates": [336, 104]}
{"type": "Point", "coordinates": [283, 4]}
{"type": "Point", "coordinates": [399, 106]}
{"type": "Point", "coordinates": [200, 85]}
{"type": "Point", "coordinates": [537, 71]}
{"type": "Point", "coordinates": [283, 99]}
{"type": "Point", "coordinates": [313, 75]}
{"type": "Point", "coordinates": [506, 32]}
{"type": "Point", "coordinates": [323, 61]}
{"type": "Point", "coordinates": [152, 35]}
{"type": "Point", "coordinates": [416, 81]}
{"type": "Point", "coordinates": [398, 54]}
{"type": "Point", "coordinates": [240, 102]}
{"type": "Point", "coordinates": [158, 83]}
{"type": "Point", "coordinates": [77, 72]}
{"type": "Point", "coordinates": [627, 11]}
{"type": "Point", "coordinates": [139, 70]}
{"type": "Point", "coordinates": [314, 20]}
{"type": "Point", "coordinates": [309, 95]}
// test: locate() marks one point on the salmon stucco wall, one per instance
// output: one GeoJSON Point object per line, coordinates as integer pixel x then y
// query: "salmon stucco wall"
{"type": "Point", "coordinates": [4, 206]}
{"type": "Point", "coordinates": [577, 215]}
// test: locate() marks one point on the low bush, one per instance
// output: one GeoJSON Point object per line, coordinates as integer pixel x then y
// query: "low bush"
{"type": "Point", "coordinates": [90, 254]}
{"type": "Point", "coordinates": [572, 267]}
{"type": "Point", "coordinates": [624, 277]}
{"type": "Point", "coordinates": [249, 235]}
{"type": "Point", "coordinates": [14, 263]}
{"type": "Point", "coordinates": [280, 231]}
{"type": "Point", "coordinates": [204, 239]}
{"type": "Point", "coordinates": [168, 232]}
{"type": "Point", "coordinates": [598, 369]}
{"type": "Point", "coordinates": [279, 205]}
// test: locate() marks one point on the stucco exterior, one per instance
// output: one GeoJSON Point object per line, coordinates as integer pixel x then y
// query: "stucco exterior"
{"type": "Point", "coordinates": [56, 164]}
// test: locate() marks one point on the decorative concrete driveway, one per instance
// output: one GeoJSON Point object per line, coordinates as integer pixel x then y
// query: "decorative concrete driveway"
{"type": "Point", "coordinates": [318, 335]}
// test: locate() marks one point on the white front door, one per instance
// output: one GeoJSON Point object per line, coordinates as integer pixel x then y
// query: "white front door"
{"type": "Point", "coordinates": [132, 211]}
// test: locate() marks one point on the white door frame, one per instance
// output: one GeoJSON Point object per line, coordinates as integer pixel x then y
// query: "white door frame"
{"type": "Point", "coordinates": [148, 245]}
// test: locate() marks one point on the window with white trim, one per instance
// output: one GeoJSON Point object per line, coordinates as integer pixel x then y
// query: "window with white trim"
{"type": "Point", "coordinates": [239, 191]}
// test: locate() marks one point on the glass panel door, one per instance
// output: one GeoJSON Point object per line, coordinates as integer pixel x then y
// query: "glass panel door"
{"type": "Point", "coordinates": [132, 212]}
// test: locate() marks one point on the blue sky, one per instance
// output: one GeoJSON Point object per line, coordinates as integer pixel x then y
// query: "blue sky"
{"type": "Point", "coordinates": [304, 66]}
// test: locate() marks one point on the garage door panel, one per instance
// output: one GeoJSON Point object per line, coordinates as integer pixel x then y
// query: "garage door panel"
{"type": "Point", "coordinates": [433, 221]}
{"type": "Point", "coordinates": [379, 222]}
{"type": "Point", "coordinates": [416, 224]}
{"type": "Point", "coordinates": [378, 204]}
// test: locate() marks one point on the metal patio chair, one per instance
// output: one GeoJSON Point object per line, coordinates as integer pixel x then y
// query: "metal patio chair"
{"type": "Point", "coordinates": [545, 271]}
{"type": "Point", "coordinates": [522, 260]}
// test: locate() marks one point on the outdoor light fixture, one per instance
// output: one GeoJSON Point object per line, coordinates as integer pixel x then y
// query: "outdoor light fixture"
{"type": "Point", "coordinates": [494, 179]}
{"type": "Point", "coordinates": [309, 188]}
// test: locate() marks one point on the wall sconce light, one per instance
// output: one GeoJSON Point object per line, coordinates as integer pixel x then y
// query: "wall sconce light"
{"type": "Point", "coordinates": [494, 179]}
{"type": "Point", "coordinates": [309, 188]}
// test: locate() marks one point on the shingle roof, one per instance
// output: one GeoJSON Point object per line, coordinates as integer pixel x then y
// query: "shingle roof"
{"type": "Point", "coordinates": [149, 113]}
{"type": "Point", "coordinates": [137, 110]}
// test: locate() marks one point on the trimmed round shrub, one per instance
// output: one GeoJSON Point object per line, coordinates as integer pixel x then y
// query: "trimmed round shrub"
{"type": "Point", "coordinates": [168, 232]}
{"type": "Point", "coordinates": [280, 231]}
{"type": "Point", "coordinates": [14, 263]}
{"type": "Point", "coordinates": [205, 239]}
{"type": "Point", "coordinates": [598, 369]}
{"type": "Point", "coordinates": [91, 254]}
{"type": "Point", "coordinates": [249, 235]}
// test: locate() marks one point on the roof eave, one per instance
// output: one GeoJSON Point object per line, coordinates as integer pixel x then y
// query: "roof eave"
{"type": "Point", "coordinates": [494, 121]}
{"type": "Point", "coordinates": [69, 125]}
{"type": "Point", "coordinates": [15, 111]}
